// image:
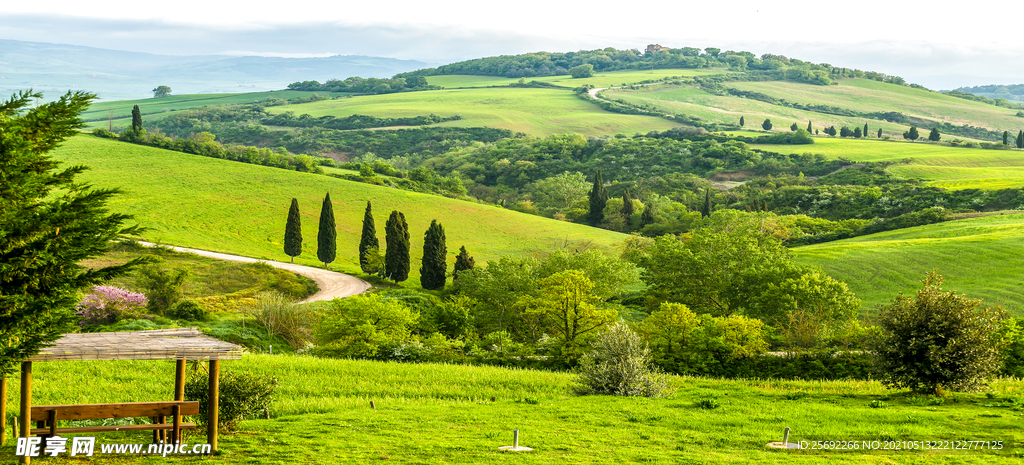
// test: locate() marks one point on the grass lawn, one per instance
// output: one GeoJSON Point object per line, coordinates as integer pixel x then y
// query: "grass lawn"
{"type": "Point", "coordinates": [941, 165]}
{"type": "Point", "coordinates": [429, 413]}
{"type": "Point", "coordinates": [238, 208]}
{"type": "Point", "coordinates": [607, 79]}
{"type": "Point", "coordinates": [154, 109]}
{"type": "Point", "coordinates": [979, 257]}
{"type": "Point", "coordinates": [868, 96]}
{"type": "Point", "coordinates": [538, 112]}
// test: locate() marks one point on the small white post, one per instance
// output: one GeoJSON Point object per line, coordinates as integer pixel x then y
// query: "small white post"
{"type": "Point", "coordinates": [785, 437]}
{"type": "Point", "coordinates": [515, 438]}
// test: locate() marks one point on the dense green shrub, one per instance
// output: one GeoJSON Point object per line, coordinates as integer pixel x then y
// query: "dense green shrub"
{"type": "Point", "coordinates": [163, 287]}
{"type": "Point", "coordinates": [1012, 333]}
{"type": "Point", "coordinates": [189, 310]}
{"type": "Point", "coordinates": [242, 395]}
{"type": "Point", "coordinates": [619, 364]}
{"type": "Point", "coordinates": [357, 327]}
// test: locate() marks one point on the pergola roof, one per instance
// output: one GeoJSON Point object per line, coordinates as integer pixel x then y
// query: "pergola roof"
{"type": "Point", "coordinates": [160, 344]}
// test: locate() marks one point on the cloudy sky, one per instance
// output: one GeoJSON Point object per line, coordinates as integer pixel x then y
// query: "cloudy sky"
{"type": "Point", "coordinates": [939, 48]}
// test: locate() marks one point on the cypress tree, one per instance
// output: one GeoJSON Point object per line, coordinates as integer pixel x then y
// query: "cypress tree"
{"type": "Point", "coordinates": [463, 262]}
{"type": "Point", "coordinates": [1020, 140]}
{"type": "Point", "coordinates": [1006, 137]}
{"type": "Point", "coordinates": [136, 119]}
{"type": "Point", "coordinates": [879, 133]}
{"type": "Point", "coordinates": [647, 217]}
{"type": "Point", "coordinates": [865, 129]}
{"type": "Point", "coordinates": [293, 232]}
{"type": "Point", "coordinates": [598, 200]}
{"type": "Point", "coordinates": [434, 264]}
{"type": "Point", "coordinates": [368, 243]}
{"type": "Point", "coordinates": [741, 121]}
{"type": "Point", "coordinates": [767, 124]}
{"type": "Point", "coordinates": [934, 136]}
{"type": "Point", "coordinates": [327, 237]}
{"type": "Point", "coordinates": [396, 257]}
{"type": "Point", "coordinates": [809, 130]}
{"type": "Point", "coordinates": [627, 205]}
{"type": "Point", "coordinates": [705, 208]}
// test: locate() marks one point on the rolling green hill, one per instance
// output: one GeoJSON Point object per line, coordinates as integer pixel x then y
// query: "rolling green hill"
{"type": "Point", "coordinates": [600, 79]}
{"type": "Point", "coordinates": [227, 206]}
{"type": "Point", "coordinates": [539, 112]}
{"type": "Point", "coordinates": [979, 256]}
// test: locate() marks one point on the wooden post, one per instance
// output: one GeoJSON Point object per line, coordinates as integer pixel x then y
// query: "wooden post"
{"type": "Point", "coordinates": [3, 410]}
{"type": "Point", "coordinates": [213, 404]}
{"type": "Point", "coordinates": [179, 380]}
{"type": "Point", "coordinates": [26, 404]}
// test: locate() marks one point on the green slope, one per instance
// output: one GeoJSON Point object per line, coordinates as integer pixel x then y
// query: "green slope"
{"type": "Point", "coordinates": [233, 207]}
{"type": "Point", "coordinates": [539, 112]}
{"type": "Point", "coordinates": [607, 79]}
{"type": "Point", "coordinates": [980, 257]}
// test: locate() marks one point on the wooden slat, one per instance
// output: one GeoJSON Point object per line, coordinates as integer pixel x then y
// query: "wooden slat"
{"type": "Point", "coordinates": [101, 411]}
{"type": "Point", "coordinates": [90, 429]}
{"type": "Point", "coordinates": [161, 344]}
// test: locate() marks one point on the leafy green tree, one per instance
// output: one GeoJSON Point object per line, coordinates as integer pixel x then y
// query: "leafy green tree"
{"type": "Point", "coordinates": [161, 91]}
{"type": "Point", "coordinates": [369, 246]}
{"type": "Point", "coordinates": [50, 223]}
{"type": "Point", "coordinates": [293, 232]}
{"type": "Point", "coordinates": [567, 305]}
{"type": "Point", "coordinates": [767, 124]}
{"type": "Point", "coordinates": [463, 262]}
{"type": "Point", "coordinates": [396, 256]}
{"type": "Point", "coordinates": [359, 325]}
{"type": "Point", "coordinates": [742, 122]}
{"type": "Point", "coordinates": [627, 205]}
{"type": "Point", "coordinates": [327, 236]}
{"type": "Point", "coordinates": [938, 340]}
{"type": "Point", "coordinates": [934, 136]}
{"type": "Point", "coordinates": [434, 264]}
{"type": "Point", "coordinates": [809, 308]}
{"type": "Point", "coordinates": [582, 71]}
{"type": "Point", "coordinates": [566, 187]}
{"type": "Point", "coordinates": [705, 207]}
{"type": "Point", "coordinates": [136, 119]}
{"type": "Point", "coordinates": [1006, 137]}
{"type": "Point", "coordinates": [793, 127]}
{"type": "Point", "coordinates": [598, 200]}
{"type": "Point", "coordinates": [912, 134]}
{"type": "Point", "coordinates": [809, 130]}
{"type": "Point", "coordinates": [687, 343]}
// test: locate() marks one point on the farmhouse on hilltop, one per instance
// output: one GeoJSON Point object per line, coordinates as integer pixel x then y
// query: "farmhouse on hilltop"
{"type": "Point", "coordinates": [653, 48]}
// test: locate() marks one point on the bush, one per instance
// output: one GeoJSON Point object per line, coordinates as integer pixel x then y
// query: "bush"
{"type": "Point", "coordinates": [360, 325]}
{"type": "Point", "coordinates": [582, 71]}
{"type": "Point", "coordinates": [1012, 333]}
{"type": "Point", "coordinates": [295, 323]}
{"type": "Point", "coordinates": [938, 340]}
{"type": "Point", "coordinates": [242, 395]}
{"type": "Point", "coordinates": [163, 287]}
{"type": "Point", "coordinates": [620, 364]}
{"type": "Point", "coordinates": [109, 304]}
{"type": "Point", "coordinates": [188, 310]}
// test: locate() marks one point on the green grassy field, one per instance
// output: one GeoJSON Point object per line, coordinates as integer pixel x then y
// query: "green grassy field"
{"type": "Point", "coordinates": [979, 257]}
{"type": "Point", "coordinates": [719, 109]}
{"type": "Point", "coordinates": [428, 413]}
{"type": "Point", "coordinates": [870, 96]}
{"type": "Point", "coordinates": [234, 207]}
{"type": "Point", "coordinates": [154, 109]}
{"type": "Point", "coordinates": [941, 165]}
{"type": "Point", "coordinates": [538, 112]}
{"type": "Point", "coordinates": [608, 79]}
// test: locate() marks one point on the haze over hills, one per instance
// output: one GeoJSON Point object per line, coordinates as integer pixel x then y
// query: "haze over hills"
{"type": "Point", "coordinates": [116, 74]}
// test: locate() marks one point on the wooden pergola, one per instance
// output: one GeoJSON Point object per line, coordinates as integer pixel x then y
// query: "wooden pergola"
{"type": "Point", "coordinates": [180, 344]}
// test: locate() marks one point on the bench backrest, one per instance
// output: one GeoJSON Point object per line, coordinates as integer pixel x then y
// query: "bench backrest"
{"type": "Point", "coordinates": [100, 411]}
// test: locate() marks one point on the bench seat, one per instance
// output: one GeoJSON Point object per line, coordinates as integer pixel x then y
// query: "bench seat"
{"type": "Point", "coordinates": [90, 429]}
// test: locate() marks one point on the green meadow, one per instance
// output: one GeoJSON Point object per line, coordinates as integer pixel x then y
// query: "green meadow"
{"type": "Point", "coordinates": [119, 112]}
{"type": "Point", "coordinates": [866, 95]}
{"type": "Point", "coordinates": [978, 256]}
{"type": "Point", "coordinates": [607, 79]}
{"type": "Point", "coordinates": [940, 165]}
{"type": "Point", "coordinates": [232, 207]}
{"type": "Point", "coordinates": [432, 413]}
{"type": "Point", "coordinates": [538, 112]}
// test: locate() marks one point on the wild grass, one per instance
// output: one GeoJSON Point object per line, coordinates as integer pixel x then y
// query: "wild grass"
{"type": "Point", "coordinates": [606, 79]}
{"type": "Point", "coordinates": [430, 413]}
{"type": "Point", "coordinates": [232, 207]}
{"type": "Point", "coordinates": [977, 256]}
{"type": "Point", "coordinates": [538, 112]}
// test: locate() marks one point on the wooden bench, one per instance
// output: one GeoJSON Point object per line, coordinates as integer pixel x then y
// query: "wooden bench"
{"type": "Point", "coordinates": [47, 416]}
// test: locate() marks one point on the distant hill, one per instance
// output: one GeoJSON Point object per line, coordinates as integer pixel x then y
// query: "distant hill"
{"type": "Point", "coordinates": [116, 74]}
{"type": "Point", "coordinates": [1010, 92]}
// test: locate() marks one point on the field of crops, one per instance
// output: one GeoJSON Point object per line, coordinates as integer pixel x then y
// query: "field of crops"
{"type": "Point", "coordinates": [427, 413]}
{"type": "Point", "coordinates": [234, 207]}
{"type": "Point", "coordinates": [941, 165]}
{"type": "Point", "coordinates": [608, 79]}
{"type": "Point", "coordinates": [979, 257]}
{"type": "Point", "coordinates": [539, 112]}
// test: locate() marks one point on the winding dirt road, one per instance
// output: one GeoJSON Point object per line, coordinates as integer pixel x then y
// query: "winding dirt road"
{"type": "Point", "coordinates": [331, 283]}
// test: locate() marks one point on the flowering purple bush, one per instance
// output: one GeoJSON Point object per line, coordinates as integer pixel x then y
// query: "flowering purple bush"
{"type": "Point", "coordinates": [109, 304]}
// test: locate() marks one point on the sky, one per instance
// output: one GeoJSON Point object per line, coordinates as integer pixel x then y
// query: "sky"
{"type": "Point", "coordinates": [939, 48]}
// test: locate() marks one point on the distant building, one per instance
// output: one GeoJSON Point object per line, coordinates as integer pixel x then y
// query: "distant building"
{"type": "Point", "coordinates": [652, 48]}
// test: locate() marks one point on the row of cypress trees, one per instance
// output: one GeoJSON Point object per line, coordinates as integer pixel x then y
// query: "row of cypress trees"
{"type": "Point", "coordinates": [395, 263]}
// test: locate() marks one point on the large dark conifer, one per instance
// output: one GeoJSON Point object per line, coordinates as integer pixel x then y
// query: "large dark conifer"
{"type": "Point", "coordinates": [627, 205]}
{"type": "Point", "coordinates": [741, 121]}
{"type": "Point", "coordinates": [866, 130]}
{"type": "Point", "coordinates": [136, 119]}
{"type": "Point", "coordinates": [463, 262]}
{"type": "Point", "coordinates": [368, 243]}
{"type": "Point", "coordinates": [396, 257]}
{"type": "Point", "coordinates": [293, 232]}
{"type": "Point", "coordinates": [1006, 137]}
{"type": "Point", "coordinates": [434, 264]}
{"type": "Point", "coordinates": [327, 237]}
{"type": "Point", "coordinates": [1020, 139]}
{"type": "Point", "coordinates": [809, 130]}
{"type": "Point", "coordinates": [598, 200]}
{"type": "Point", "coordinates": [705, 207]}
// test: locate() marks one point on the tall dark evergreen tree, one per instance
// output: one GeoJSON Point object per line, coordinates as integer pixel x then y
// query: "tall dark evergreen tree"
{"type": "Point", "coordinates": [434, 264]}
{"type": "Point", "coordinates": [1006, 137]}
{"type": "Point", "coordinates": [866, 130]}
{"type": "Point", "coordinates": [627, 205]}
{"type": "Point", "coordinates": [598, 200]}
{"type": "Point", "coordinates": [767, 124]}
{"type": "Point", "coordinates": [856, 132]}
{"type": "Point", "coordinates": [705, 207]}
{"type": "Point", "coordinates": [647, 217]}
{"type": "Point", "coordinates": [741, 121]}
{"type": "Point", "coordinates": [809, 130]}
{"type": "Point", "coordinates": [369, 246]}
{"type": "Point", "coordinates": [136, 119]}
{"type": "Point", "coordinates": [934, 136]}
{"type": "Point", "coordinates": [912, 134]}
{"type": "Point", "coordinates": [293, 232]}
{"type": "Point", "coordinates": [879, 133]}
{"type": "Point", "coordinates": [463, 262]}
{"type": "Point", "coordinates": [327, 236]}
{"type": "Point", "coordinates": [793, 127]}
{"type": "Point", "coordinates": [396, 257]}
{"type": "Point", "coordinates": [1020, 139]}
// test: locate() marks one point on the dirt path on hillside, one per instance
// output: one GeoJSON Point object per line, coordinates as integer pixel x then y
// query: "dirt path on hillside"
{"type": "Point", "coordinates": [331, 283]}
